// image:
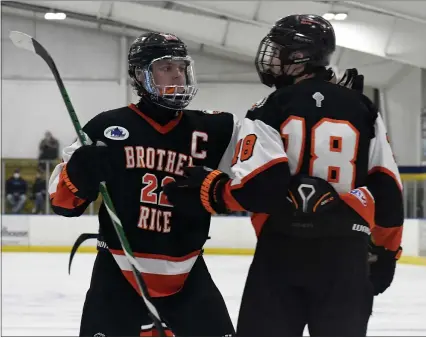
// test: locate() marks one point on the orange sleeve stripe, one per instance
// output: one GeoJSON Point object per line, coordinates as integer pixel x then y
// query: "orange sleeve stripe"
{"type": "Point", "coordinates": [230, 202]}
{"type": "Point", "coordinates": [64, 197]}
{"type": "Point", "coordinates": [390, 238]}
{"type": "Point", "coordinates": [367, 211]}
{"type": "Point", "coordinates": [258, 171]}
{"type": "Point", "coordinates": [258, 220]}
{"type": "Point", "coordinates": [154, 333]}
{"type": "Point", "coordinates": [387, 172]}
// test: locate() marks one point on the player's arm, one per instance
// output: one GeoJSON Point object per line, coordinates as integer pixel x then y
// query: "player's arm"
{"type": "Point", "coordinates": [385, 184]}
{"type": "Point", "coordinates": [260, 172]}
{"type": "Point", "coordinates": [74, 183]}
{"type": "Point", "coordinates": [62, 191]}
{"type": "Point", "coordinates": [225, 163]}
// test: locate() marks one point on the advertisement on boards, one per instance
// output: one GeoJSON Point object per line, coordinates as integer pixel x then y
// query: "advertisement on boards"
{"type": "Point", "coordinates": [14, 230]}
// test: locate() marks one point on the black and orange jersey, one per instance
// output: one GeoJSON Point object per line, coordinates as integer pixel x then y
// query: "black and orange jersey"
{"type": "Point", "coordinates": [319, 129]}
{"type": "Point", "coordinates": [147, 155]}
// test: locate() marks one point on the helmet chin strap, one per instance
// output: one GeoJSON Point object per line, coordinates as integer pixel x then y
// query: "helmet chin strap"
{"type": "Point", "coordinates": [318, 72]}
{"type": "Point", "coordinates": [284, 81]}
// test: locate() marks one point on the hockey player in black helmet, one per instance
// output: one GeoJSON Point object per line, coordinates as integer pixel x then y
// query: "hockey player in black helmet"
{"type": "Point", "coordinates": [137, 150]}
{"type": "Point", "coordinates": [314, 167]}
{"type": "Point", "coordinates": [162, 71]}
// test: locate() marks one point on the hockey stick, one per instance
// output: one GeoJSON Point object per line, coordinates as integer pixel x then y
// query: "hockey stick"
{"type": "Point", "coordinates": [25, 41]}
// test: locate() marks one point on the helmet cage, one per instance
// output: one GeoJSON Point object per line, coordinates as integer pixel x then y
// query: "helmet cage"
{"type": "Point", "coordinates": [169, 96]}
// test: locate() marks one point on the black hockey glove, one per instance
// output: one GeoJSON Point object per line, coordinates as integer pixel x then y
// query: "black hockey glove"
{"type": "Point", "coordinates": [309, 195]}
{"type": "Point", "coordinates": [201, 185]}
{"type": "Point", "coordinates": [87, 167]}
{"type": "Point", "coordinates": [382, 267]}
{"type": "Point", "coordinates": [351, 79]}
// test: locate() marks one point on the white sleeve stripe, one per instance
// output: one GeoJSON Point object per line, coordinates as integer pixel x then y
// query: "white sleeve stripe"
{"type": "Point", "coordinates": [380, 154]}
{"type": "Point", "coordinates": [268, 147]}
{"type": "Point", "coordinates": [225, 162]}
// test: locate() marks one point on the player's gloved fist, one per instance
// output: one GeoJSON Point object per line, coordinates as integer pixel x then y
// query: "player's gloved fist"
{"type": "Point", "coordinates": [351, 79]}
{"type": "Point", "coordinates": [202, 184]}
{"type": "Point", "coordinates": [382, 267]}
{"type": "Point", "coordinates": [87, 167]}
{"type": "Point", "coordinates": [310, 195]}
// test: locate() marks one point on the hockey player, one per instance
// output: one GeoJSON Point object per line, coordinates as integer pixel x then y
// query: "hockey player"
{"type": "Point", "coordinates": [314, 166]}
{"type": "Point", "coordinates": [137, 150]}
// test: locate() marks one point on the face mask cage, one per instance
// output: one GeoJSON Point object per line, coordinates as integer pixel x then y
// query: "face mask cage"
{"type": "Point", "coordinates": [175, 96]}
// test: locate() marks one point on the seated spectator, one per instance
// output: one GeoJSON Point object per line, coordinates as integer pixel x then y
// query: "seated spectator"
{"type": "Point", "coordinates": [16, 190]}
{"type": "Point", "coordinates": [48, 150]}
{"type": "Point", "coordinates": [39, 194]}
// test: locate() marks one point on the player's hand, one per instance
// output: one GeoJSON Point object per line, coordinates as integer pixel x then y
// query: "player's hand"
{"type": "Point", "coordinates": [201, 184]}
{"type": "Point", "coordinates": [310, 195]}
{"type": "Point", "coordinates": [382, 267]}
{"type": "Point", "coordinates": [351, 79]}
{"type": "Point", "coordinates": [87, 167]}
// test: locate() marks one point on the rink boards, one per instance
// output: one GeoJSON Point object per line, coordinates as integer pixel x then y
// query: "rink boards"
{"type": "Point", "coordinates": [229, 235]}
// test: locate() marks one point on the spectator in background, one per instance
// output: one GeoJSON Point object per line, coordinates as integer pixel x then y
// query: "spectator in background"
{"type": "Point", "coordinates": [16, 190]}
{"type": "Point", "coordinates": [39, 194]}
{"type": "Point", "coordinates": [48, 150]}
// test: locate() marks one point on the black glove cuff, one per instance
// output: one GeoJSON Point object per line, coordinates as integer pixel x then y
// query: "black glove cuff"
{"type": "Point", "coordinates": [383, 253]}
{"type": "Point", "coordinates": [219, 204]}
{"type": "Point", "coordinates": [212, 190]}
{"type": "Point", "coordinates": [79, 184]}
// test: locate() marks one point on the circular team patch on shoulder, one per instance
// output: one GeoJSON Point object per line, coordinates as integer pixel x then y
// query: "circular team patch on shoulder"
{"type": "Point", "coordinates": [116, 133]}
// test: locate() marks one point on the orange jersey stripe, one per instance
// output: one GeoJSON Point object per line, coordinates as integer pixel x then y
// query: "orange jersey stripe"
{"type": "Point", "coordinates": [390, 238]}
{"type": "Point", "coordinates": [158, 285]}
{"type": "Point", "coordinates": [258, 220]}
{"type": "Point", "coordinates": [387, 172]}
{"type": "Point", "coordinates": [258, 171]}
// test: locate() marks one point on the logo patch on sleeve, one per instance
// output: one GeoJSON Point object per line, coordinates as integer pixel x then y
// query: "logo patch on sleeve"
{"type": "Point", "coordinates": [360, 195]}
{"type": "Point", "coordinates": [116, 133]}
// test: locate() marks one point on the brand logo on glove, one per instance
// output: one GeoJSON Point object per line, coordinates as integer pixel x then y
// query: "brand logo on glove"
{"type": "Point", "coordinates": [360, 195]}
{"type": "Point", "coordinates": [116, 133]}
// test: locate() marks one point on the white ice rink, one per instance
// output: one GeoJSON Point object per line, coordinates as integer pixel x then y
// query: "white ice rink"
{"type": "Point", "coordinates": [39, 298]}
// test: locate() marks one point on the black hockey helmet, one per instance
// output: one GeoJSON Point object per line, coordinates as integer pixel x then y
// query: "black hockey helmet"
{"type": "Point", "coordinates": [153, 47]}
{"type": "Point", "coordinates": [293, 40]}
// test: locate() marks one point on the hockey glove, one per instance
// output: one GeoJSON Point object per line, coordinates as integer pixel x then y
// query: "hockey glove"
{"type": "Point", "coordinates": [351, 79]}
{"type": "Point", "coordinates": [202, 184]}
{"type": "Point", "coordinates": [310, 195]}
{"type": "Point", "coordinates": [382, 267]}
{"type": "Point", "coordinates": [87, 167]}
